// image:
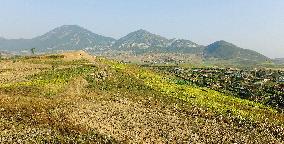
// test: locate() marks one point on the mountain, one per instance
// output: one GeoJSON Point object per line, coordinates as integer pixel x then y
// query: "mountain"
{"type": "Point", "coordinates": [72, 37]}
{"type": "Point", "coordinates": [185, 46]}
{"type": "Point", "coordinates": [141, 39]}
{"type": "Point", "coordinates": [66, 37]}
{"type": "Point", "coordinates": [227, 51]}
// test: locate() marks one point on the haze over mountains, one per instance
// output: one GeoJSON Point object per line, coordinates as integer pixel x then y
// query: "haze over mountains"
{"type": "Point", "coordinates": [73, 37]}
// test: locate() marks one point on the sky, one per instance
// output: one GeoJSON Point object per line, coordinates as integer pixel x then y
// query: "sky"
{"type": "Point", "coordinates": [250, 24]}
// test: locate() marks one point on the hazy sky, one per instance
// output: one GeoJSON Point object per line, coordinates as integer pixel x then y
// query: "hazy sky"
{"type": "Point", "coordinates": [252, 24]}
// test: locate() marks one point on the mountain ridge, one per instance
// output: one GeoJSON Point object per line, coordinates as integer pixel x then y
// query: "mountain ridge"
{"type": "Point", "coordinates": [74, 37]}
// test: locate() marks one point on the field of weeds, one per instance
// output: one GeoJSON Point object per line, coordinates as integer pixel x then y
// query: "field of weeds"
{"type": "Point", "coordinates": [95, 100]}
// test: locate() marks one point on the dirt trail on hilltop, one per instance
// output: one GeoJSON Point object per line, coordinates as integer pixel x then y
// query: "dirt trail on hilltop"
{"type": "Point", "coordinates": [77, 55]}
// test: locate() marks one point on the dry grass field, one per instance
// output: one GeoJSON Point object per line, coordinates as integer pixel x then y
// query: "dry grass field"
{"type": "Point", "coordinates": [77, 98]}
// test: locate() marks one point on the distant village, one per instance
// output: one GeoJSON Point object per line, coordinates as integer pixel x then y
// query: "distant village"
{"type": "Point", "coordinates": [261, 85]}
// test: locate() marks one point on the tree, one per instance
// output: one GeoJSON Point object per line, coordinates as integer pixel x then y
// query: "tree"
{"type": "Point", "coordinates": [33, 50]}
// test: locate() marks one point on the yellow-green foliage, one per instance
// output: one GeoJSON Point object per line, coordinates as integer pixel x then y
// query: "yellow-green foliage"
{"type": "Point", "coordinates": [215, 101]}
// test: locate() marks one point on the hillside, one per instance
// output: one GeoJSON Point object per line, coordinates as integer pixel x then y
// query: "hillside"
{"type": "Point", "coordinates": [228, 51]}
{"type": "Point", "coordinates": [74, 98]}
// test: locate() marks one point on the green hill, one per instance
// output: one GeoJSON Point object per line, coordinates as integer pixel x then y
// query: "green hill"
{"type": "Point", "coordinates": [228, 51]}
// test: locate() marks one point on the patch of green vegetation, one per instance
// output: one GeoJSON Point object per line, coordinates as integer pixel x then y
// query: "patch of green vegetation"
{"type": "Point", "coordinates": [46, 83]}
{"type": "Point", "coordinates": [61, 74]}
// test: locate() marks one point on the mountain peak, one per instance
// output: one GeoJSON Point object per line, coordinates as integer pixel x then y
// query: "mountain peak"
{"type": "Point", "coordinates": [69, 28]}
{"type": "Point", "coordinates": [141, 39]}
{"type": "Point", "coordinates": [224, 43]}
{"type": "Point", "coordinates": [72, 37]}
{"type": "Point", "coordinates": [141, 31]}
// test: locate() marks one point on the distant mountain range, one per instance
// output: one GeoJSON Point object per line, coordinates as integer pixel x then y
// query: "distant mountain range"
{"type": "Point", "coordinates": [73, 37]}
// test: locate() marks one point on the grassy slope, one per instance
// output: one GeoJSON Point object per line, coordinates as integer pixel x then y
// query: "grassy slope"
{"type": "Point", "coordinates": [216, 101]}
{"type": "Point", "coordinates": [107, 101]}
